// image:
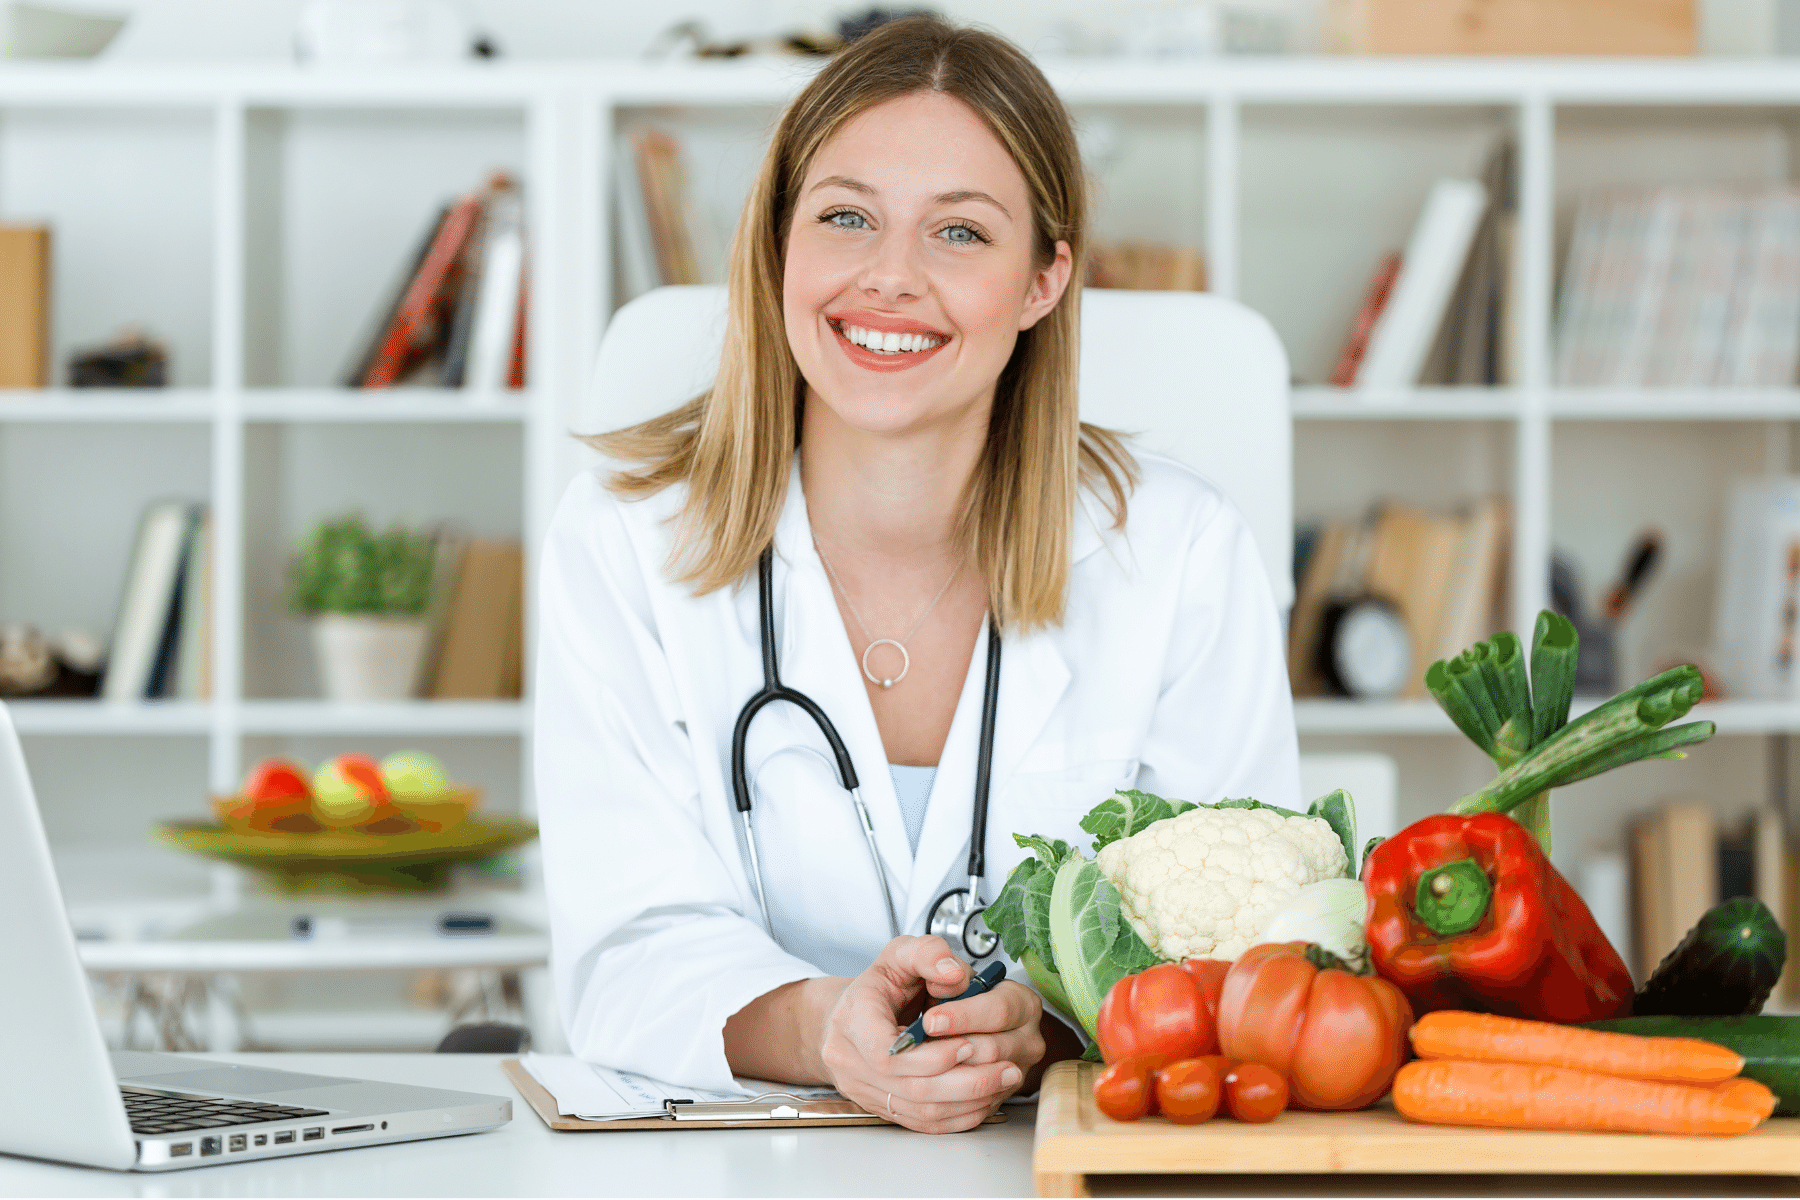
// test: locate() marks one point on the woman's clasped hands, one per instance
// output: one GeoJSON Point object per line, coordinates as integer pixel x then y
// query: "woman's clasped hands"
{"type": "Point", "coordinates": [979, 1052]}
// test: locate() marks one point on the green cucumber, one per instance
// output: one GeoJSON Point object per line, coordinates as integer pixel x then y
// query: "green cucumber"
{"type": "Point", "coordinates": [1726, 966]}
{"type": "Point", "coordinates": [1770, 1046]}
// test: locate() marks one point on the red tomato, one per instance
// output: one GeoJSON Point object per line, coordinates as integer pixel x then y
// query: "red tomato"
{"type": "Point", "coordinates": [1210, 972]}
{"type": "Point", "coordinates": [1126, 1090]}
{"type": "Point", "coordinates": [1187, 1092]}
{"type": "Point", "coordinates": [1220, 1063]}
{"type": "Point", "coordinates": [1163, 1010]}
{"type": "Point", "coordinates": [1337, 1038]}
{"type": "Point", "coordinates": [1254, 1093]}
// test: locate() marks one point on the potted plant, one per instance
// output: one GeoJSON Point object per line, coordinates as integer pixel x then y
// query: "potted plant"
{"type": "Point", "coordinates": [367, 594]}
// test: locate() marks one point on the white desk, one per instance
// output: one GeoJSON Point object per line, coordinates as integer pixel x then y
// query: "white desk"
{"type": "Point", "coordinates": [523, 1158]}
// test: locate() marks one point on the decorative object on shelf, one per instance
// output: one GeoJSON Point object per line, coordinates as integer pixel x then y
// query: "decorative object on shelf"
{"type": "Point", "coordinates": [24, 306]}
{"type": "Point", "coordinates": [26, 664]}
{"type": "Point", "coordinates": [1422, 584]}
{"type": "Point", "coordinates": [368, 595]}
{"type": "Point", "coordinates": [336, 861]}
{"type": "Point", "coordinates": [385, 31]}
{"type": "Point", "coordinates": [1190, 31]}
{"type": "Point", "coordinates": [1756, 616]}
{"type": "Point", "coordinates": [34, 667]}
{"type": "Point", "coordinates": [44, 31]}
{"type": "Point", "coordinates": [691, 38]}
{"type": "Point", "coordinates": [1143, 266]}
{"type": "Point", "coordinates": [871, 19]}
{"type": "Point", "coordinates": [131, 360]}
{"type": "Point", "coordinates": [162, 639]}
{"type": "Point", "coordinates": [1534, 27]}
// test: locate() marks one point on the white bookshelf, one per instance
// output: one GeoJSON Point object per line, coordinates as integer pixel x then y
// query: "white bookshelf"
{"type": "Point", "coordinates": [275, 142]}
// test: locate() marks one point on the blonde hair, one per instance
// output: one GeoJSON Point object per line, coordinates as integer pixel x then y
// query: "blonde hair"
{"type": "Point", "coordinates": [733, 446]}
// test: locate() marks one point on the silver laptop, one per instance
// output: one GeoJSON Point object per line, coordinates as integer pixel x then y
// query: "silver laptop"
{"type": "Point", "coordinates": [66, 1099]}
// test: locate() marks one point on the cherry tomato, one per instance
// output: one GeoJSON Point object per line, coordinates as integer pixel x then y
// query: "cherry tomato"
{"type": "Point", "coordinates": [1126, 1090]}
{"type": "Point", "coordinates": [1187, 1092]}
{"type": "Point", "coordinates": [1221, 1063]}
{"type": "Point", "coordinates": [1255, 1093]}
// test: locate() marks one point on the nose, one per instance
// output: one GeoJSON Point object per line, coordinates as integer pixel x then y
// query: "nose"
{"type": "Point", "coordinates": [894, 270]}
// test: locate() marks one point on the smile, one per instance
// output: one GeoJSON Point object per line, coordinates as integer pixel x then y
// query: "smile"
{"type": "Point", "coordinates": [887, 343]}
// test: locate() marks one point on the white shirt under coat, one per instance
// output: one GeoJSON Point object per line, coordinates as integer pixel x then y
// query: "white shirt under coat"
{"type": "Point", "coordinates": [1167, 674]}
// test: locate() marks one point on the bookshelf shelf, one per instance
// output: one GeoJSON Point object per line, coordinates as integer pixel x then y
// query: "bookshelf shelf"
{"type": "Point", "coordinates": [474, 718]}
{"type": "Point", "coordinates": [112, 406]}
{"type": "Point", "coordinates": [397, 406]}
{"type": "Point", "coordinates": [1411, 404]}
{"type": "Point", "coordinates": [103, 718]}
{"type": "Point", "coordinates": [1675, 404]}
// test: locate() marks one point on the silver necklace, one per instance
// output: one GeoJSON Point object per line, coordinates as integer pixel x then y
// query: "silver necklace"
{"type": "Point", "coordinates": [898, 644]}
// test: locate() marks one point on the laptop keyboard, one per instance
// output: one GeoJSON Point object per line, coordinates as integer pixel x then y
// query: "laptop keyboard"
{"type": "Point", "coordinates": [159, 1112]}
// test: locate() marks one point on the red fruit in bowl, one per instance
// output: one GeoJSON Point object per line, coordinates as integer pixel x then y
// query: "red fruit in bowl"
{"type": "Point", "coordinates": [275, 781]}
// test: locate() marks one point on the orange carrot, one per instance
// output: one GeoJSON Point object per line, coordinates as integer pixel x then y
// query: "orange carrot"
{"type": "Point", "coordinates": [1749, 1093]}
{"type": "Point", "coordinates": [1527, 1096]}
{"type": "Point", "coordinates": [1483, 1037]}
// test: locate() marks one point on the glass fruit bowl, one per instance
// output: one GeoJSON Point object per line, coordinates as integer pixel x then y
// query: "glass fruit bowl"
{"type": "Point", "coordinates": [436, 813]}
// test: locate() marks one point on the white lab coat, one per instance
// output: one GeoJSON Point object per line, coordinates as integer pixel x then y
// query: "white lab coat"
{"type": "Point", "coordinates": [1167, 674]}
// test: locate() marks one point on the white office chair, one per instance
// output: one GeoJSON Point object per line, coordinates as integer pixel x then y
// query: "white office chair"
{"type": "Point", "coordinates": [1198, 378]}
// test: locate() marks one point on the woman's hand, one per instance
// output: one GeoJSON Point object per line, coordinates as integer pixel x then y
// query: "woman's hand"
{"type": "Point", "coordinates": [980, 1049]}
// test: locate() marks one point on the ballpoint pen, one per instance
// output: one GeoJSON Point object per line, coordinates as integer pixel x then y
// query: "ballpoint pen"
{"type": "Point", "coordinates": [984, 980]}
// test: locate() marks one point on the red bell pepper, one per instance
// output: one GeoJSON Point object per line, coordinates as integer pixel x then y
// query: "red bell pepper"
{"type": "Point", "coordinates": [1467, 912]}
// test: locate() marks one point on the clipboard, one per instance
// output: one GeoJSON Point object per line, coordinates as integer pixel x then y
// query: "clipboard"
{"type": "Point", "coordinates": [826, 1112]}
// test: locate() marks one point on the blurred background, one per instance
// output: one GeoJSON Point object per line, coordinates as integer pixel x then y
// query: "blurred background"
{"type": "Point", "coordinates": [299, 300]}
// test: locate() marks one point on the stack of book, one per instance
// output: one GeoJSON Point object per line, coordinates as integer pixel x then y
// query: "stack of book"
{"type": "Point", "coordinates": [162, 639]}
{"type": "Point", "coordinates": [24, 306]}
{"type": "Point", "coordinates": [1440, 312]}
{"type": "Point", "coordinates": [1681, 287]}
{"type": "Point", "coordinates": [456, 315]}
{"type": "Point", "coordinates": [1444, 575]}
{"type": "Point", "coordinates": [477, 621]}
{"type": "Point", "coordinates": [1682, 864]}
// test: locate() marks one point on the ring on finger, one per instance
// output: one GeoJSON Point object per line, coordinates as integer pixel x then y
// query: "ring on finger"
{"type": "Point", "coordinates": [890, 1105]}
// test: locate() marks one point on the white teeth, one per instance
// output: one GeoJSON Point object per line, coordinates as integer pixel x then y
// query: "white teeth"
{"type": "Point", "coordinates": [889, 343]}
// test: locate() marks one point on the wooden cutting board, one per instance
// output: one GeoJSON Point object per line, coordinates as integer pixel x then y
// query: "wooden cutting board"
{"type": "Point", "coordinates": [1075, 1140]}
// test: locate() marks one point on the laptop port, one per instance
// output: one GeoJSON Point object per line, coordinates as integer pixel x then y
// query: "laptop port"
{"type": "Point", "coordinates": [313, 1135]}
{"type": "Point", "coordinates": [238, 1142]}
{"type": "Point", "coordinates": [262, 1139]}
{"type": "Point", "coordinates": [351, 1129]}
{"type": "Point", "coordinates": [210, 1146]}
{"type": "Point", "coordinates": [181, 1149]}
{"type": "Point", "coordinates": [283, 1136]}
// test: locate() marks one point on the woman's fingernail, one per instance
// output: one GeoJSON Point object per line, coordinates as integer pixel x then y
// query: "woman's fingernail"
{"type": "Point", "coordinates": [949, 966]}
{"type": "Point", "coordinates": [1010, 1077]}
{"type": "Point", "coordinates": [935, 1024]}
{"type": "Point", "coordinates": [964, 1051]}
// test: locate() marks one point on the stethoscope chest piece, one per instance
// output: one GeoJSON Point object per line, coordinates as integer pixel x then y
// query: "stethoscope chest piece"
{"type": "Point", "coordinates": [958, 920]}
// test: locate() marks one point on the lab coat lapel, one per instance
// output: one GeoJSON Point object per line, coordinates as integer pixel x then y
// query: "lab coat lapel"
{"type": "Point", "coordinates": [816, 658]}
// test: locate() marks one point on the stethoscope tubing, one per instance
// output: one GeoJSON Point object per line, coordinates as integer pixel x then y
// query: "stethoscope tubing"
{"type": "Point", "coordinates": [773, 689]}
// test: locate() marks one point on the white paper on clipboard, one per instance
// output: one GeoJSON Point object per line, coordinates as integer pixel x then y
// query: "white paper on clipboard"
{"type": "Point", "coordinates": [594, 1093]}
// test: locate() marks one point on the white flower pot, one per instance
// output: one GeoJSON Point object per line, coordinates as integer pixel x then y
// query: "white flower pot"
{"type": "Point", "coordinates": [369, 657]}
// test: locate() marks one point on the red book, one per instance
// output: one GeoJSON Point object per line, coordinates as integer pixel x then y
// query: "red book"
{"type": "Point", "coordinates": [424, 293]}
{"type": "Point", "coordinates": [515, 374]}
{"type": "Point", "coordinates": [1350, 359]}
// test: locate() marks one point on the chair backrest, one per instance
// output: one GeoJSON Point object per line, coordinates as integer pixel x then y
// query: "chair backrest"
{"type": "Point", "coordinates": [1200, 379]}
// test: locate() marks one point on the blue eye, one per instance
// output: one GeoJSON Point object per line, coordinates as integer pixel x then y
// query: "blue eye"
{"type": "Point", "coordinates": [846, 218]}
{"type": "Point", "coordinates": [962, 235]}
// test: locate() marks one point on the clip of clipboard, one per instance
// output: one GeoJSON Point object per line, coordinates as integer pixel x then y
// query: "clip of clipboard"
{"type": "Point", "coordinates": [774, 1110]}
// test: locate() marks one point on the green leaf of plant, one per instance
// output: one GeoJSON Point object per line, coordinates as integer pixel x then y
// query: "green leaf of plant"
{"type": "Point", "coordinates": [1339, 811]}
{"type": "Point", "coordinates": [1095, 945]}
{"type": "Point", "coordinates": [1006, 915]}
{"type": "Point", "coordinates": [1126, 812]}
{"type": "Point", "coordinates": [1037, 917]}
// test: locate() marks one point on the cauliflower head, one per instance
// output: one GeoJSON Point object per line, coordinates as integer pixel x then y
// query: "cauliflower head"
{"type": "Point", "coordinates": [1205, 883]}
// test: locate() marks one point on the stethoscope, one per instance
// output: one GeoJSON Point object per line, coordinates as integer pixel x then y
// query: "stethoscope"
{"type": "Point", "coordinates": [956, 917]}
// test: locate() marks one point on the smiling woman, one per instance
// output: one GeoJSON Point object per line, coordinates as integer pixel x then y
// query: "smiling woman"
{"type": "Point", "coordinates": [892, 451]}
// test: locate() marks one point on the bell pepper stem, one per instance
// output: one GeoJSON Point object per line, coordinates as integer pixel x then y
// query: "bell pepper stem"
{"type": "Point", "coordinates": [1453, 898]}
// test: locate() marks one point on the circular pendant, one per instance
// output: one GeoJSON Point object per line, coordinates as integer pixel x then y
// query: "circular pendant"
{"type": "Point", "coordinates": [905, 662]}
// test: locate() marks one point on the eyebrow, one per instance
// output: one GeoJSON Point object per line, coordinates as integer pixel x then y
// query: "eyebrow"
{"type": "Point", "coordinates": [956, 197]}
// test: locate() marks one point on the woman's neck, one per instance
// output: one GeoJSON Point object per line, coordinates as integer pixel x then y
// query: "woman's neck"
{"type": "Point", "coordinates": [887, 495]}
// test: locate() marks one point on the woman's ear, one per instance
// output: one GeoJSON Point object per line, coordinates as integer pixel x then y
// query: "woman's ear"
{"type": "Point", "coordinates": [1047, 286]}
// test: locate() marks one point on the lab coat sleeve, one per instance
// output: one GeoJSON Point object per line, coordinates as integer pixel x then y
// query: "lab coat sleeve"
{"type": "Point", "coordinates": [1224, 721]}
{"type": "Point", "coordinates": [652, 949]}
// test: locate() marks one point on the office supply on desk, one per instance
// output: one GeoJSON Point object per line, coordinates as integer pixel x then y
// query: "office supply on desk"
{"type": "Point", "coordinates": [984, 980]}
{"type": "Point", "coordinates": [66, 1101]}
{"type": "Point", "coordinates": [593, 1098]}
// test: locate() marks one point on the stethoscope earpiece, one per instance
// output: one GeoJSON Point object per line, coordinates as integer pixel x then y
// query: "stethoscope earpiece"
{"type": "Point", "coordinates": [957, 911]}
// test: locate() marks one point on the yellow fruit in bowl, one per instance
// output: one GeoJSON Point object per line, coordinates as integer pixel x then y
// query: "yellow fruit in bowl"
{"type": "Point", "coordinates": [443, 811]}
{"type": "Point", "coordinates": [348, 790]}
{"type": "Point", "coordinates": [414, 774]}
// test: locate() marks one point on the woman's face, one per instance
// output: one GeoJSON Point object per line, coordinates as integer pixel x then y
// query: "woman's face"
{"type": "Point", "coordinates": [909, 268]}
